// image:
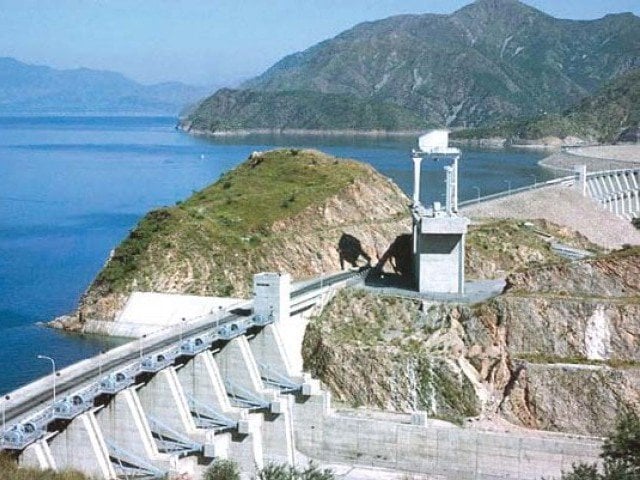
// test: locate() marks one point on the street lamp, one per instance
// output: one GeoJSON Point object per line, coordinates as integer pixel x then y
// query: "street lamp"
{"type": "Point", "coordinates": [535, 179]}
{"type": "Point", "coordinates": [4, 413]}
{"type": "Point", "coordinates": [508, 182]}
{"type": "Point", "coordinates": [319, 257]}
{"type": "Point", "coordinates": [140, 344]}
{"type": "Point", "coordinates": [102, 352]}
{"type": "Point", "coordinates": [477, 190]}
{"type": "Point", "coordinates": [182, 328]}
{"type": "Point", "coordinates": [53, 366]}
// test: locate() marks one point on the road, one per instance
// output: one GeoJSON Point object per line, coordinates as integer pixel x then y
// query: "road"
{"type": "Point", "coordinates": [78, 381]}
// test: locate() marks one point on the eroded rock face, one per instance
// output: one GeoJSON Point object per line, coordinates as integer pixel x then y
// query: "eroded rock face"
{"type": "Point", "coordinates": [386, 353]}
{"type": "Point", "coordinates": [566, 362]}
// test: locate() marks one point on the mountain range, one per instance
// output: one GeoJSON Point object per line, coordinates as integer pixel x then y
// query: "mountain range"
{"type": "Point", "coordinates": [489, 61]}
{"type": "Point", "coordinates": [34, 89]}
{"type": "Point", "coordinates": [610, 115]}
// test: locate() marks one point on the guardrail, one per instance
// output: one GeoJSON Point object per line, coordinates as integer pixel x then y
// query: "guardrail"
{"type": "Point", "coordinates": [536, 186]}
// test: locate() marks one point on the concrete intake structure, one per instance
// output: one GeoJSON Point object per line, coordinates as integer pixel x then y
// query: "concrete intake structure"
{"type": "Point", "coordinates": [438, 235]}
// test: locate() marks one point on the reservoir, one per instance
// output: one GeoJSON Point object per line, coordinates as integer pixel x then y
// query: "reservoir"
{"type": "Point", "coordinates": [72, 187]}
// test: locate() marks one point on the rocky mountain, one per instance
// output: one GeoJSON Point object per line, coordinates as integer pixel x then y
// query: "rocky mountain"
{"type": "Point", "coordinates": [611, 114]}
{"type": "Point", "coordinates": [489, 61]}
{"type": "Point", "coordinates": [34, 89]}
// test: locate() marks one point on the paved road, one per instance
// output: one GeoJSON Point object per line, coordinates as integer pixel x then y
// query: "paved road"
{"type": "Point", "coordinates": [77, 381]}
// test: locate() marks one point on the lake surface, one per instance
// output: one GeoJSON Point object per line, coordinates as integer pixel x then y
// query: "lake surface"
{"type": "Point", "coordinates": [72, 188]}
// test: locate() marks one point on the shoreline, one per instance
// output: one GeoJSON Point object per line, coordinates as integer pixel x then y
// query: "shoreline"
{"type": "Point", "coordinates": [298, 131]}
{"type": "Point", "coordinates": [596, 158]}
{"type": "Point", "coordinates": [487, 143]}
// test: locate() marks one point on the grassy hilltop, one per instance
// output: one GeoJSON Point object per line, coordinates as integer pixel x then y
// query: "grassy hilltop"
{"type": "Point", "coordinates": [282, 210]}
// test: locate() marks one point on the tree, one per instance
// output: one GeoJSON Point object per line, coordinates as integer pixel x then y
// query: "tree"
{"type": "Point", "coordinates": [287, 472]}
{"type": "Point", "coordinates": [620, 454]}
{"type": "Point", "coordinates": [222, 470]}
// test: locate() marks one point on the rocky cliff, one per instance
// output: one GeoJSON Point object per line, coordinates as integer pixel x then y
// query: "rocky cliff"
{"type": "Point", "coordinates": [559, 350]}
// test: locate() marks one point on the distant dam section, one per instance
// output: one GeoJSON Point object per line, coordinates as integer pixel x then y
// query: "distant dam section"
{"type": "Point", "coordinates": [600, 207]}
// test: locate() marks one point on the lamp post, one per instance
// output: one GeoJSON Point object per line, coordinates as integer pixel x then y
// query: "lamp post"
{"type": "Point", "coordinates": [140, 344]}
{"type": "Point", "coordinates": [535, 180]}
{"type": "Point", "coordinates": [4, 413]}
{"type": "Point", "coordinates": [182, 328]}
{"type": "Point", "coordinates": [508, 182]}
{"type": "Point", "coordinates": [53, 366]}
{"type": "Point", "coordinates": [319, 257]}
{"type": "Point", "coordinates": [102, 352]}
{"type": "Point", "coordinates": [478, 191]}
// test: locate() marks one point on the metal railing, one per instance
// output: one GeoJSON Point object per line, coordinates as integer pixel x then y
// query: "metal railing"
{"type": "Point", "coordinates": [526, 188]}
{"type": "Point", "coordinates": [163, 349]}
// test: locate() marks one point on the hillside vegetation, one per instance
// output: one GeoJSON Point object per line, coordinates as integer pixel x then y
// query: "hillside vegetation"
{"type": "Point", "coordinates": [491, 60]}
{"type": "Point", "coordinates": [9, 471]}
{"type": "Point", "coordinates": [282, 210]}
{"type": "Point", "coordinates": [280, 111]}
{"type": "Point", "coordinates": [611, 114]}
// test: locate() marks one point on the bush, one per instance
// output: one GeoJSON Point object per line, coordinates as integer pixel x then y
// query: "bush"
{"type": "Point", "coordinates": [222, 470]}
{"type": "Point", "coordinates": [287, 472]}
{"type": "Point", "coordinates": [620, 454]}
{"type": "Point", "coordinates": [9, 471]}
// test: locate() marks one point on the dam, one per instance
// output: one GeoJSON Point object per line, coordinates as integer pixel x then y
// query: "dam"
{"type": "Point", "coordinates": [231, 385]}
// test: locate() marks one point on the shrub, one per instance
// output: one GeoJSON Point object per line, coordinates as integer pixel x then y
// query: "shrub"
{"type": "Point", "coordinates": [222, 470]}
{"type": "Point", "coordinates": [9, 471]}
{"type": "Point", "coordinates": [287, 472]}
{"type": "Point", "coordinates": [620, 454]}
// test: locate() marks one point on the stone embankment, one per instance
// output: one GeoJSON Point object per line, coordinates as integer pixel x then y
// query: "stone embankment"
{"type": "Point", "coordinates": [596, 158]}
{"type": "Point", "coordinates": [562, 205]}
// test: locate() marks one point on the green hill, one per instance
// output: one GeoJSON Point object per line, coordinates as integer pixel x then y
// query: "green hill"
{"type": "Point", "coordinates": [284, 210]}
{"type": "Point", "coordinates": [245, 109]}
{"type": "Point", "coordinates": [489, 61]}
{"type": "Point", "coordinates": [611, 114]}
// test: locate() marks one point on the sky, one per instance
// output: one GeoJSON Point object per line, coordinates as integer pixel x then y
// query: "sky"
{"type": "Point", "coordinates": [208, 42]}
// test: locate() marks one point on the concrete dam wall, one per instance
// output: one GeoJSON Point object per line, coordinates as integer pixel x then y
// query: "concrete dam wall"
{"type": "Point", "coordinates": [241, 394]}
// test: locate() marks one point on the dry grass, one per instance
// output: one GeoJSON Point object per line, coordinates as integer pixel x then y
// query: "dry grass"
{"type": "Point", "coordinates": [9, 471]}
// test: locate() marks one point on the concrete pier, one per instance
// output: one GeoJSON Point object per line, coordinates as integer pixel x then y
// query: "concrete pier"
{"type": "Point", "coordinates": [124, 424]}
{"type": "Point", "coordinates": [201, 379]}
{"type": "Point", "coordinates": [242, 374]}
{"type": "Point", "coordinates": [269, 351]}
{"type": "Point", "coordinates": [82, 447]}
{"type": "Point", "coordinates": [164, 400]}
{"type": "Point", "coordinates": [38, 455]}
{"type": "Point", "coordinates": [238, 367]}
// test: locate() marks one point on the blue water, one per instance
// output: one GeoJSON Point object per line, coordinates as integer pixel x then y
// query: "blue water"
{"type": "Point", "coordinates": [71, 189]}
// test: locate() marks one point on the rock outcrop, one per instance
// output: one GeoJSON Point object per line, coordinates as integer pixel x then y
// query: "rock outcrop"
{"type": "Point", "coordinates": [559, 350]}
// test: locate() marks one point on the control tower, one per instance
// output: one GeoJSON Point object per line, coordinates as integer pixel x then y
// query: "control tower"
{"type": "Point", "coordinates": [438, 232]}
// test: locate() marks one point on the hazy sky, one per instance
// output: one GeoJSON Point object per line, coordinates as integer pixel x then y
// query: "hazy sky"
{"type": "Point", "coordinates": [207, 42]}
